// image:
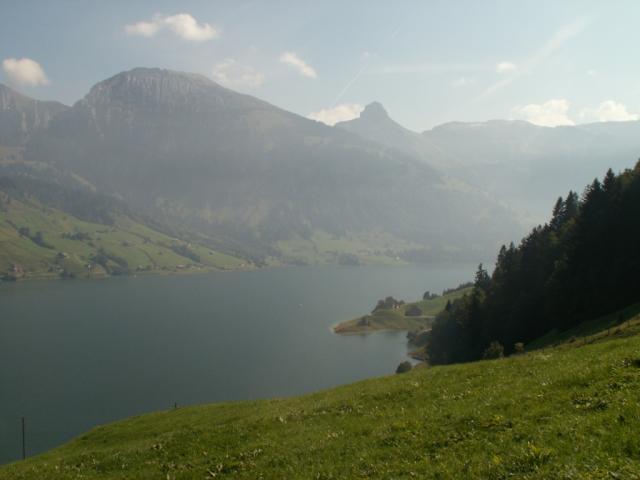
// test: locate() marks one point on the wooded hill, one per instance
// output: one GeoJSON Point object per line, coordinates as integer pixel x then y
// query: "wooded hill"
{"type": "Point", "coordinates": [583, 263]}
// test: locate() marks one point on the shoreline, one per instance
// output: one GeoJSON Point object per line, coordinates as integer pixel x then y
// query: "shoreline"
{"type": "Point", "coordinates": [397, 315]}
{"type": "Point", "coordinates": [44, 277]}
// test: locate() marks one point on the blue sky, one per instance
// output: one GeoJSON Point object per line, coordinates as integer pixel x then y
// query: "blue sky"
{"type": "Point", "coordinates": [427, 62]}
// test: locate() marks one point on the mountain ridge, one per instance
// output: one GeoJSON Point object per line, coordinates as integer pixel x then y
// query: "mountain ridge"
{"type": "Point", "coordinates": [21, 116]}
{"type": "Point", "coordinates": [226, 162]}
{"type": "Point", "coordinates": [516, 162]}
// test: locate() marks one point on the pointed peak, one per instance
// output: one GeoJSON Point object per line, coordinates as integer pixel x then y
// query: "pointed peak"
{"type": "Point", "coordinates": [11, 96]}
{"type": "Point", "coordinates": [374, 110]}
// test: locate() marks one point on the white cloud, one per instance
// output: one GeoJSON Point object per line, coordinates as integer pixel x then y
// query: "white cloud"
{"type": "Point", "coordinates": [506, 67]}
{"type": "Point", "coordinates": [24, 71]}
{"type": "Point", "coordinates": [143, 29]}
{"type": "Point", "coordinates": [592, 73]}
{"type": "Point", "coordinates": [608, 111]}
{"type": "Point", "coordinates": [548, 114]}
{"type": "Point", "coordinates": [231, 73]}
{"type": "Point", "coordinates": [556, 112]}
{"type": "Point", "coordinates": [181, 24]}
{"type": "Point", "coordinates": [185, 26]}
{"type": "Point", "coordinates": [295, 61]}
{"type": "Point", "coordinates": [339, 113]}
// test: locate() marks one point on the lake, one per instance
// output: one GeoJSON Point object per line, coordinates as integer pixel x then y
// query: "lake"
{"type": "Point", "coordinates": [75, 354]}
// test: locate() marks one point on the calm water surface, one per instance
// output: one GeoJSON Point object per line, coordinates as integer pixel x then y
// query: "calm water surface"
{"type": "Point", "coordinates": [76, 354]}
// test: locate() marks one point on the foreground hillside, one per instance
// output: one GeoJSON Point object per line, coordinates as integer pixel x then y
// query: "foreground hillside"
{"type": "Point", "coordinates": [567, 412]}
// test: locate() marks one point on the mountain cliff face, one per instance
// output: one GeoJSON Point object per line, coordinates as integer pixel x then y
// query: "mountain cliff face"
{"type": "Point", "coordinates": [21, 116]}
{"type": "Point", "coordinates": [184, 146]}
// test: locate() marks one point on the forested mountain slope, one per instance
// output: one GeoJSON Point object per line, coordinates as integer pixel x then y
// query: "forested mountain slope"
{"type": "Point", "coordinates": [583, 263]}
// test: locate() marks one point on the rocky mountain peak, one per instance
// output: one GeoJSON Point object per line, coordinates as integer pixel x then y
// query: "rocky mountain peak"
{"type": "Point", "coordinates": [143, 86]}
{"type": "Point", "coordinates": [21, 115]}
{"type": "Point", "coordinates": [374, 111]}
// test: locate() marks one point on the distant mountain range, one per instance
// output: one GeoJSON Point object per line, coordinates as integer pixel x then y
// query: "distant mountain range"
{"type": "Point", "coordinates": [520, 164]}
{"type": "Point", "coordinates": [269, 185]}
{"type": "Point", "coordinates": [183, 147]}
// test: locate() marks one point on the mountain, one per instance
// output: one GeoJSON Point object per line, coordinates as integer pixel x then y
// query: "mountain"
{"type": "Point", "coordinates": [21, 116]}
{"type": "Point", "coordinates": [520, 164]}
{"type": "Point", "coordinates": [374, 123]}
{"type": "Point", "coordinates": [56, 225]}
{"type": "Point", "coordinates": [181, 146]}
{"type": "Point", "coordinates": [529, 166]}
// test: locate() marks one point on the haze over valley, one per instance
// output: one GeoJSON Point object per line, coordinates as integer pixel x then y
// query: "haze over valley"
{"type": "Point", "coordinates": [252, 181]}
{"type": "Point", "coordinates": [319, 240]}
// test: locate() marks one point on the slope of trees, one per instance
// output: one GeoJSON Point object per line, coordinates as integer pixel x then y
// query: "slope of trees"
{"type": "Point", "coordinates": [81, 203]}
{"type": "Point", "coordinates": [582, 264]}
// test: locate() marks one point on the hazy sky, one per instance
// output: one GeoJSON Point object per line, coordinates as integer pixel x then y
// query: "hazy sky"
{"type": "Point", "coordinates": [427, 62]}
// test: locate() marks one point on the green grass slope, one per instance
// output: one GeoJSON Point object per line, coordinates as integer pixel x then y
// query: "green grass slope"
{"type": "Point", "coordinates": [570, 412]}
{"type": "Point", "coordinates": [396, 319]}
{"type": "Point", "coordinates": [587, 331]}
{"type": "Point", "coordinates": [70, 246]}
{"type": "Point", "coordinates": [373, 248]}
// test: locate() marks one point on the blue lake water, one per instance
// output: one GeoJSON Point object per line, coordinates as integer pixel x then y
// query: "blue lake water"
{"type": "Point", "coordinates": [75, 354]}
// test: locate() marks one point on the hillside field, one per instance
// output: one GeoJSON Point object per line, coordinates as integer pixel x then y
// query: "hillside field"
{"type": "Point", "coordinates": [69, 246]}
{"type": "Point", "coordinates": [396, 318]}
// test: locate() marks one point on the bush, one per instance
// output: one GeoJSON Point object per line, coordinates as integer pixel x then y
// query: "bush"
{"type": "Point", "coordinates": [37, 238]}
{"type": "Point", "coordinates": [429, 296]}
{"type": "Point", "coordinates": [348, 259]}
{"type": "Point", "coordinates": [404, 367]}
{"type": "Point", "coordinates": [518, 348]}
{"type": "Point", "coordinates": [388, 303]}
{"type": "Point", "coordinates": [418, 338]}
{"type": "Point", "coordinates": [412, 311]}
{"type": "Point", "coordinates": [185, 251]}
{"type": "Point", "coordinates": [364, 322]}
{"type": "Point", "coordinates": [67, 274]}
{"type": "Point", "coordinates": [79, 236]}
{"type": "Point", "coordinates": [494, 350]}
{"type": "Point", "coordinates": [113, 264]}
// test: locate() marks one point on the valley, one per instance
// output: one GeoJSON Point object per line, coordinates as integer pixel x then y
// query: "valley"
{"type": "Point", "coordinates": [319, 240]}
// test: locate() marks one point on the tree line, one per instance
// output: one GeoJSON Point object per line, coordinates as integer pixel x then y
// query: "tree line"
{"type": "Point", "coordinates": [582, 264]}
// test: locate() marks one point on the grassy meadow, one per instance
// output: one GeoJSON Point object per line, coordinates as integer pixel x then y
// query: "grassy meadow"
{"type": "Point", "coordinates": [396, 318]}
{"type": "Point", "coordinates": [69, 246]}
